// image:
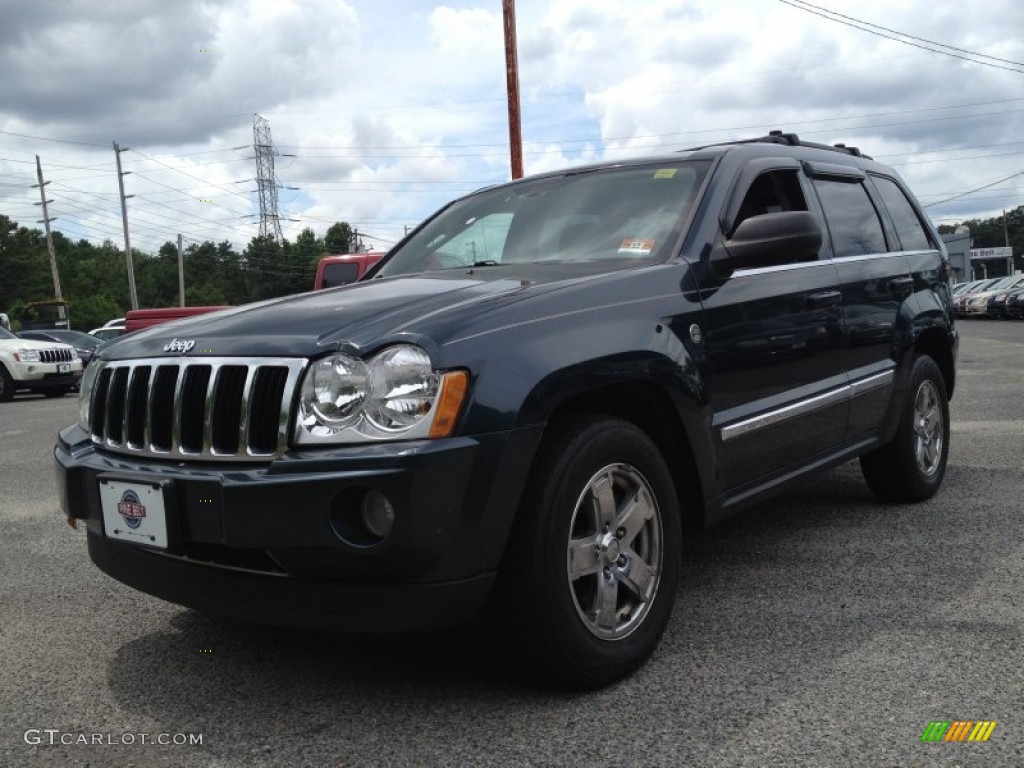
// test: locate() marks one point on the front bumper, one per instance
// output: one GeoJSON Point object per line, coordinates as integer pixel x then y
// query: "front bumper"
{"type": "Point", "coordinates": [45, 375]}
{"type": "Point", "coordinates": [274, 543]}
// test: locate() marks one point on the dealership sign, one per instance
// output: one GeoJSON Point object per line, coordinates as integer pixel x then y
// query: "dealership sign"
{"type": "Point", "coordinates": [991, 253]}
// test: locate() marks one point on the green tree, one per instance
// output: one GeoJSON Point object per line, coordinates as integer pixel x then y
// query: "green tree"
{"type": "Point", "coordinates": [93, 311]}
{"type": "Point", "coordinates": [338, 238]}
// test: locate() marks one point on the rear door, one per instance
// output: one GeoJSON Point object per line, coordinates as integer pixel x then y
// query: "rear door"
{"type": "Point", "coordinates": [876, 279]}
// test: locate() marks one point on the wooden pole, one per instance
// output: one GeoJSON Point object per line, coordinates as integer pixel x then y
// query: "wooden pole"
{"type": "Point", "coordinates": [515, 136]}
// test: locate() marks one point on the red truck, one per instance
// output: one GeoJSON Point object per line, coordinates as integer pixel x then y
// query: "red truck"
{"type": "Point", "coordinates": [344, 269]}
{"type": "Point", "coordinates": [136, 319]}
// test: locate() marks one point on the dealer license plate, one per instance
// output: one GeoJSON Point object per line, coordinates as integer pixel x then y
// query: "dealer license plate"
{"type": "Point", "coordinates": [134, 511]}
{"type": "Point", "coordinates": [63, 367]}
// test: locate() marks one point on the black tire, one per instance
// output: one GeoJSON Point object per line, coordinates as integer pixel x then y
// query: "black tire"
{"type": "Point", "coordinates": [56, 391]}
{"type": "Point", "coordinates": [911, 466]}
{"type": "Point", "coordinates": [568, 552]}
{"type": "Point", "coordinates": [6, 385]}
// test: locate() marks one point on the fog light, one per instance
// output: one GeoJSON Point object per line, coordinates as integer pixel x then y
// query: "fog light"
{"type": "Point", "coordinates": [378, 514]}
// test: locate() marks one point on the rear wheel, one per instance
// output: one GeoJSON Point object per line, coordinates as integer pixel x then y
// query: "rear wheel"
{"type": "Point", "coordinates": [592, 564]}
{"type": "Point", "coordinates": [911, 466]}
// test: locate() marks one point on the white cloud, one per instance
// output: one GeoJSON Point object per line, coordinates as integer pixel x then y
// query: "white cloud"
{"type": "Point", "coordinates": [390, 109]}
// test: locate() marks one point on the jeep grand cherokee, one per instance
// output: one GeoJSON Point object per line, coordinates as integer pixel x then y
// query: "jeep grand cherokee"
{"type": "Point", "coordinates": [526, 400]}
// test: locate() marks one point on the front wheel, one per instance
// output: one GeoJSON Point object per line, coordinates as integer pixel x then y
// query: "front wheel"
{"type": "Point", "coordinates": [591, 567]}
{"type": "Point", "coordinates": [6, 385]}
{"type": "Point", "coordinates": [911, 466]}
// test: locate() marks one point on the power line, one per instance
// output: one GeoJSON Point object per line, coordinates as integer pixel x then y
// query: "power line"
{"type": "Point", "coordinates": [58, 141]}
{"type": "Point", "coordinates": [185, 173]}
{"type": "Point", "coordinates": [867, 27]}
{"type": "Point", "coordinates": [912, 37]}
{"type": "Point", "coordinates": [976, 189]}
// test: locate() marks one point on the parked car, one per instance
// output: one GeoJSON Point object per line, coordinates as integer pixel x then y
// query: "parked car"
{"type": "Point", "coordinates": [979, 302]}
{"type": "Point", "coordinates": [961, 299]}
{"type": "Point", "coordinates": [108, 332]}
{"type": "Point", "coordinates": [84, 344]}
{"type": "Point", "coordinates": [1015, 304]}
{"type": "Point", "coordinates": [38, 366]}
{"type": "Point", "coordinates": [524, 402]}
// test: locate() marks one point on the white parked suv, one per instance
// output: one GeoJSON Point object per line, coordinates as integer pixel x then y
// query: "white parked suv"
{"type": "Point", "coordinates": [41, 366]}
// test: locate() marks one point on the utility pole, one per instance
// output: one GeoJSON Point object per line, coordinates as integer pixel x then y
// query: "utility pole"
{"type": "Point", "coordinates": [515, 135]}
{"type": "Point", "coordinates": [181, 274]}
{"type": "Point", "coordinates": [49, 238]}
{"type": "Point", "coordinates": [124, 219]}
{"type": "Point", "coordinates": [1006, 232]}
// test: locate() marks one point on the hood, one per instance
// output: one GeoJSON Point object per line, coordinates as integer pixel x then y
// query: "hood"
{"type": "Point", "coordinates": [20, 343]}
{"type": "Point", "coordinates": [309, 324]}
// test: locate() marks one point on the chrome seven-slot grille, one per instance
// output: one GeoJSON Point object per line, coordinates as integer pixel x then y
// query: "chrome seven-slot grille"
{"type": "Point", "coordinates": [56, 355]}
{"type": "Point", "coordinates": [234, 409]}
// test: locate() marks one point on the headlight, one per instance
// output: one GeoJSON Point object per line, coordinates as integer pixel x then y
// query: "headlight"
{"type": "Point", "coordinates": [403, 388]}
{"type": "Point", "coordinates": [333, 394]}
{"type": "Point", "coordinates": [27, 355]}
{"type": "Point", "coordinates": [394, 394]}
{"type": "Point", "coordinates": [85, 388]}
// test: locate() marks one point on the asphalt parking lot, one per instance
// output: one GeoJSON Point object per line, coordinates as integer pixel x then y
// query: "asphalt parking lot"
{"type": "Point", "coordinates": [819, 629]}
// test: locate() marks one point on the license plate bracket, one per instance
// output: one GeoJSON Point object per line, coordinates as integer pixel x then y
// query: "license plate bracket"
{"type": "Point", "coordinates": [135, 510]}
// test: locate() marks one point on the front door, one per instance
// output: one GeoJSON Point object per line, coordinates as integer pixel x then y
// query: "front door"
{"type": "Point", "coordinates": [774, 349]}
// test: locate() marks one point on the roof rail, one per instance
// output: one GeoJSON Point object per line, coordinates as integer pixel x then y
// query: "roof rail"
{"type": "Point", "coordinates": [789, 140]}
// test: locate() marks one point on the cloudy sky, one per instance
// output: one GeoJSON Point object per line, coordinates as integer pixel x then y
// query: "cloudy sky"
{"type": "Point", "coordinates": [382, 110]}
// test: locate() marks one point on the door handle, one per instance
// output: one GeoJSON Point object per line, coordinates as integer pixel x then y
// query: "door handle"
{"type": "Point", "coordinates": [824, 299]}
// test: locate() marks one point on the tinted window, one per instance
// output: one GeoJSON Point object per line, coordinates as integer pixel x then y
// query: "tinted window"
{"type": "Point", "coordinates": [852, 219]}
{"type": "Point", "coordinates": [340, 274]}
{"type": "Point", "coordinates": [912, 235]}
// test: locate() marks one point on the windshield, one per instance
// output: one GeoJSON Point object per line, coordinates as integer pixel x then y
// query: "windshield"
{"type": "Point", "coordinates": [618, 215]}
{"type": "Point", "coordinates": [5, 334]}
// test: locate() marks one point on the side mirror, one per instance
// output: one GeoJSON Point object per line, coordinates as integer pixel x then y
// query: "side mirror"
{"type": "Point", "coordinates": [768, 240]}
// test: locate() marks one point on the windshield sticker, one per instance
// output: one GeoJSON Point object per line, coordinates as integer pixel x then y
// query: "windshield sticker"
{"type": "Point", "coordinates": [636, 247]}
{"type": "Point", "coordinates": [665, 173]}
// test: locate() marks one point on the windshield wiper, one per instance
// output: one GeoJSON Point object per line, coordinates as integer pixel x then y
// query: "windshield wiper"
{"type": "Point", "coordinates": [486, 263]}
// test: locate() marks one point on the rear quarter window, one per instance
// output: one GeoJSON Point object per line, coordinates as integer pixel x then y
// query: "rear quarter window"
{"type": "Point", "coordinates": [912, 234]}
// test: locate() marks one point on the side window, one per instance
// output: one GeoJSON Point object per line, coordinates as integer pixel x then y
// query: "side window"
{"type": "Point", "coordinates": [852, 218]}
{"type": "Point", "coordinates": [772, 192]}
{"type": "Point", "coordinates": [912, 234]}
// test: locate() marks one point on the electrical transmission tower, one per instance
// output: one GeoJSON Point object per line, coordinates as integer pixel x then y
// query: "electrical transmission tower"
{"type": "Point", "coordinates": [270, 221]}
